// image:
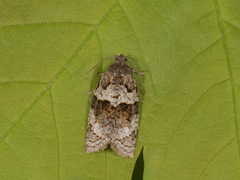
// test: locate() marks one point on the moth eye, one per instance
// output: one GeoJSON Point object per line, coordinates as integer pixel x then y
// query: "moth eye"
{"type": "Point", "coordinates": [125, 59]}
{"type": "Point", "coordinates": [116, 59]}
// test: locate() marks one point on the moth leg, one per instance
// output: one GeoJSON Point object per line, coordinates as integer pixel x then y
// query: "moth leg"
{"type": "Point", "coordinates": [141, 101]}
{"type": "Point", "coordinates": [140, 77]}
{"type": "Point", "coordinates": [90, 92]}
{"type": "Point", "coordinates": [140, 72]}
{"type": "Point", "coordinates": [99, 73]}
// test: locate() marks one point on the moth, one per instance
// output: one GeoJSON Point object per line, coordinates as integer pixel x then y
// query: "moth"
{"type": "Point", "coordinates": [114, 112]}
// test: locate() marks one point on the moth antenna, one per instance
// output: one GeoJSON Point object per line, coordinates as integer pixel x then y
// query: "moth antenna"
{"type": "Point", "coordinates": [138, 74]}
{"type": "Point", "coordinates": [97, 65]}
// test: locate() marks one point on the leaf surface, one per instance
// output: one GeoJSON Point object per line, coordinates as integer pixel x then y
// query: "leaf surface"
{"type": "Point", "coordinates": [189, 122]}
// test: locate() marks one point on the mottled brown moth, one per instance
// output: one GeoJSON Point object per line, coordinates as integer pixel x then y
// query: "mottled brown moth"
{"type": "Point", "coordinates": [114, 112]}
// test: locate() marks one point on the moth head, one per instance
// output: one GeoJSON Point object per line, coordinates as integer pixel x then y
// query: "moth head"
{"type": "Point", "coordinates": [121, 58]}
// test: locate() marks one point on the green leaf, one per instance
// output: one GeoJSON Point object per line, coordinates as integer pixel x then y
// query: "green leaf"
{"type": "Point", "coordinates": [189, 123]}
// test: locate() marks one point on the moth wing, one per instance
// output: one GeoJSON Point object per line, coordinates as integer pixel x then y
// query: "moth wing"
{"type": "Point", "coordinates": [125, 131]}
{"type": "Point", "coordinates": [97, 137]}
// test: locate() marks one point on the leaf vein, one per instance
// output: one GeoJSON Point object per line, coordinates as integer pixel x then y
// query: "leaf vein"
{"type": "Point", "coordinates": [230, 74]}
{"type": "Point", "coordinates": [204, 169]}
{"type": "Point", "coordinates": [192, 106]}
